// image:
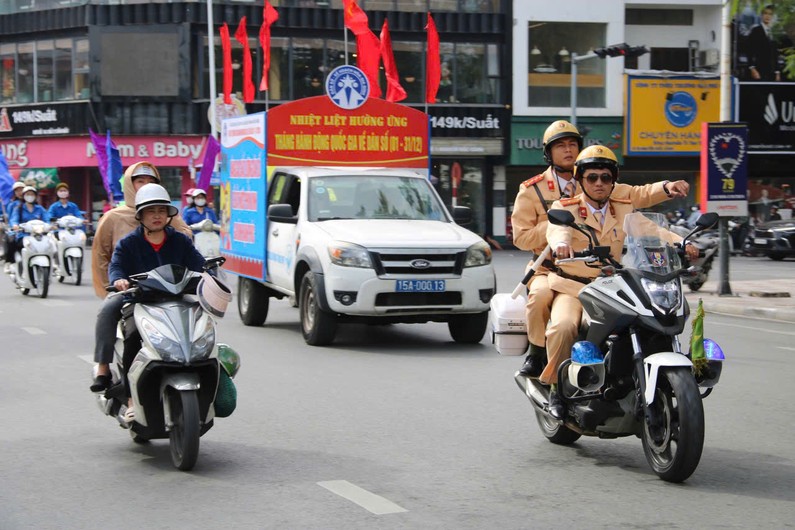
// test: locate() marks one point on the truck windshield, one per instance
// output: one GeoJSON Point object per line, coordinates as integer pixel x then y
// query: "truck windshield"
{"type": "Point", "coordinates": [373, 197]}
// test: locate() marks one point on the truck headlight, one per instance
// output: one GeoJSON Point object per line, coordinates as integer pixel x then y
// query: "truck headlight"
{"type": "Point", "coordinates": [349, 255]}
{"type": "Point", "coordinates": [478, 255]}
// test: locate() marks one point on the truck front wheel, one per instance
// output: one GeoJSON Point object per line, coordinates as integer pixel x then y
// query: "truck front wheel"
{"type": "Point", "coordinates": [318, 326]}
{"type": "Point", "coordinates": [252, 302]}
{"type": "Point", "coordinates": [468, 329]}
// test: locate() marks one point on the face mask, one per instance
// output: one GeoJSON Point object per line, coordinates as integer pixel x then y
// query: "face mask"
{"type": "Point", "coordinates": [63, 194]}
{"type": "Point", "coordinates": [199, 202]}
{"type": "Point", "coordinates": [189, 200]}
{"type": "Point", "coordinates": [30, 199]}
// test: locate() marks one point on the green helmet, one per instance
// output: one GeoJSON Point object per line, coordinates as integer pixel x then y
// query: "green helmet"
{"type": "Point", "coordinates": [229, 359]}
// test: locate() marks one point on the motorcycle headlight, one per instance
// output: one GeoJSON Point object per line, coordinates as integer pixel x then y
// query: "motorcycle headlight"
{"type": "Point", "coordinates": [665, 296]}
{"type": "Point", "coordinates": [202, 346]}
{"type": "Point", "coordinates": [167, 348]}
{"type": "Point", "coordinates": [349, 255]}
{"type": "Point", "coordinates": [478, 254]}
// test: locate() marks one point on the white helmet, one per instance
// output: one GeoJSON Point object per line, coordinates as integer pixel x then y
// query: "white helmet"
{"type": "Point", "coordinates": [29, 188]}
{"type": "Point", "coordinates": [197, 191]}
{"type": "Point", "coordinates": [153, 195]}
{"type": "Point", "coordinates": [18, 184]}
{"type": "Point", "coordinates": [213, 295]}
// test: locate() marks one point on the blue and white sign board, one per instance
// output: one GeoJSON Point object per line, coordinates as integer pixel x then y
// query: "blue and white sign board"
{"type": "Point", "coordinates": [244, 192]}
{"type": "Point", "coordinates": [724, 168]}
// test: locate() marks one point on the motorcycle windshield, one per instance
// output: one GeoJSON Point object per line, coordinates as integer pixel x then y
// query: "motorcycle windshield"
{"type": "Point", "coordinates": [649, 244]}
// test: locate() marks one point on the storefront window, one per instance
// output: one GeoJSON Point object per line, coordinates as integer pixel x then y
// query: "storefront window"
{"type": "Point", "coordinates": [25, 72]}
{"type": "Point", "coordinates": [460, 183]}
{"type": "Point", "coordinates": [63, 69]}
{"type": "Point", "coordinates": [278, 85]}
{"type": "Point", "coordinates": [307, 71]}
{"type": "Point", "coordinates": [410, 62]}
{"type": "Point", "coordinates": [549, 76]}
{"type": "Point", "coordinates": [470, 73]}
{"type": "Point", "coordinates": [45, 72]}
{"type": "Point", "coordinates": [82, 90]}
{"type": "Point", "coordinates": [8, 85]}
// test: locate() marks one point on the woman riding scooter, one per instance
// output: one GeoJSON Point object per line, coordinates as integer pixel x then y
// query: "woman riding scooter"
{"type": "Point", "coordinates": [27, 210]}
{"type": "Point", "coordinates": [200, 211]}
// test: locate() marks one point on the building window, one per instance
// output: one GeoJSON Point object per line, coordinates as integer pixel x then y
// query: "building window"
{"type": "Point", "coordinates": [410, 62]}
{"type": "Point", "coordinates": [63, 69]}
{"type": "Point", "coordinates": [658, 17]}
{"type": "Point", "coordinates": [470, 73]}
{"type": "Point", "coordinates": [45, 73]}
{"type": "Point", "coordinates": [8, 71]}
{"type": "Point", "coordinates": [80, 69]}
{"type": "Point", "coordinates": [549, 76]}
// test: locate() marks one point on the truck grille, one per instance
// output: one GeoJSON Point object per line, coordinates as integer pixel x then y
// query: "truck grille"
{"type": "Point", "coordinates": [418, 262]}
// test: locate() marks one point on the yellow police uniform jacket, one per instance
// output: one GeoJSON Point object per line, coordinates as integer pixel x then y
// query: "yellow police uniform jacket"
{"type": "Point", "coordinates": [529, 217]}
{"type": "Point", "coordinates": [611, 234]}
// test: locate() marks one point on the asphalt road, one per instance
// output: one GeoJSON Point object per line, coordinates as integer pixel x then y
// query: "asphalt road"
{"type": "Point", "coordinates": [390, 427]}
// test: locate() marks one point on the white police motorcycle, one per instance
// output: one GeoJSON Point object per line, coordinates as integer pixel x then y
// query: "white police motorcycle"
{"type": "Point", "coordinates": [33, 265]}
{"type": "Point", "coordinates": [627, 375]}
{"type": "Point", "coordinates": [179, 378]}
{"type": "Point", "coordinates": [70, 241]}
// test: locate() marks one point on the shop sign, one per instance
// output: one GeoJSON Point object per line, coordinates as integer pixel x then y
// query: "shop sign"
{"type": "Point", "coordinates": [40, 178]}
{"type": "Point", "coordinates": [527, 139]}
{"type": "Point", "coordinates": [769, 111]}
{"type": "Point", "coordinates": [664, 114]}
{"type": "Point", "coordinates": [724, 168]}
{"type": "Point", "coordinates": [43, 119]}
{"type": "Point", "coordinates": [468, 121]}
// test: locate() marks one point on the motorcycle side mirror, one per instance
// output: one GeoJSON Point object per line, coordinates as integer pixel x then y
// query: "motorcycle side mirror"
{"type": "Point", "coordinates": [565, 218]}
{"type": "Point", "coordinates": [708, 220]}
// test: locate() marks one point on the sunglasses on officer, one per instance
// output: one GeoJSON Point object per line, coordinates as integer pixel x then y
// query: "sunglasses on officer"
{"type": "Point", "coordinates": [607, 178]}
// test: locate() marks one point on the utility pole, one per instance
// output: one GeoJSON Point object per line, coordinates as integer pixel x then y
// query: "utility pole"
{"type": "Point", "coordinates": [724, 288]}
{"type": "Point", "coordinates": [211, 65]}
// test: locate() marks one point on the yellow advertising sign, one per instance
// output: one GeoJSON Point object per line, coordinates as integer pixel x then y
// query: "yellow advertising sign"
{"type": "Point", "coordinates": [664, 115]}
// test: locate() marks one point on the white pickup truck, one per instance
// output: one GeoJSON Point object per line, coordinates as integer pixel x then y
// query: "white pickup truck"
{"type": "Point", "coordinates": [369, 245]}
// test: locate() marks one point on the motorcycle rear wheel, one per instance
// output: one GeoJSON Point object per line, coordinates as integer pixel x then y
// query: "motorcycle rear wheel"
{"type": "Point", "coordinates": [673, 449]}
{"type": "Point", "coordinates": [555, 431]}
{"type": "Point", "coordinates": [185, 433]}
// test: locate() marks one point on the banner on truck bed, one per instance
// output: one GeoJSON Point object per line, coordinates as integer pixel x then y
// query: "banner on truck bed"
{"type": "Point", "coordinates": [244, 193]}
{"type": "Point", "coordinates": [316, 132]}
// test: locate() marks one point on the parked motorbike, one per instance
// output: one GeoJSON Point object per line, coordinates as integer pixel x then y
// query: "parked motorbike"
{"type": "Point", "coordinates": [167, 338]}
{"type": "Point", "coordinates": [206, 238]}
{"type": "Point", "coordinates": [628, 374]}
{"type": "Point", "coordinates": [708, 243]}
{"type": "Point", "coordinates": [70, 240]}
{"type": "Point", "coordinates": [34, 262]}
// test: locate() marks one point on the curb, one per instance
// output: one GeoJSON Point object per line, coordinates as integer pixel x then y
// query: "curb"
{"type": "Point", "coordinates": [766, 313]}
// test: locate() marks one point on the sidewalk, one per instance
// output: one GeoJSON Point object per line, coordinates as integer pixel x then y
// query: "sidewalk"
{"type": "Point", "coordinates": [752, 298]}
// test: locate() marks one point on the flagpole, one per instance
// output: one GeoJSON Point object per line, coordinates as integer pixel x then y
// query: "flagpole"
{"type": "Point", "coordinates": [211, 65]}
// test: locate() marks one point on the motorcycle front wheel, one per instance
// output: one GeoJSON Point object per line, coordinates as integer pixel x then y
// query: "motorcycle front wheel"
{"type": "Point", "coordinates": [674, 438]}
{"type": "Point", "coordinates": [184, 434]}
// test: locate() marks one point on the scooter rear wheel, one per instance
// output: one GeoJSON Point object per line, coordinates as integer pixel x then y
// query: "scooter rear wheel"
{"type": "Point", "coordinates": [184, 434]}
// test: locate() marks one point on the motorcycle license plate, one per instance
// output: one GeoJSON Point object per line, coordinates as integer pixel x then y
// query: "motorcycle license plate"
{"type": "Point", "coordinates": [419, 286]}
{"type": "Point", "coordinates": [759, 241]}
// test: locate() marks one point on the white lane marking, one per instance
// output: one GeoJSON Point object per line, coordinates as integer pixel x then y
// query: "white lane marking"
{"type": "Point", "coordinates": [34, 331]}
{"type": "Point", "coordinates": [369, 501]}
{"type": "Point", "coordinates": [87, 358]}
{"type": "Point", "coordinates": [711, 323]}
{"type": "Point", "coordinates": [785, 348]}
{"type": "Point", "coordinates": [56, 303]}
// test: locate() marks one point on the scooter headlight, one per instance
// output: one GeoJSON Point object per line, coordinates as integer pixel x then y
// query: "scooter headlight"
{"type": "Point", "coordinates": [168, 349]}
{"type": "Point", "coordinates": [202, 346]}
{"type": "Point", "coordinates": [665, 296]}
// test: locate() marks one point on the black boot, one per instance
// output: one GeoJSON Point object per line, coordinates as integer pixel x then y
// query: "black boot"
{"type": "Point", "coordinates": [557, 409]}
{"type": "Point", "coordinates": [534, 363]}
{"type": "Point", "coordinates": [101, 383]}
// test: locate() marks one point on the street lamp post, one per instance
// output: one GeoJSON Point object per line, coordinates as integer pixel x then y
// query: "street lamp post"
{"type": "Point", "coordinates": [574, 60]}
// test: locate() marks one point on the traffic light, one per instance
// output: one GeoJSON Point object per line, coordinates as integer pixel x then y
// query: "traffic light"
{"type": "Point", "coordinates": [621, 50]}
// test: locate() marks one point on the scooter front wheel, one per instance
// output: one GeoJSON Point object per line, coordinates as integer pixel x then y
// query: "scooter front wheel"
{"type": "Point", "coordinates": [186, 429]}
{"type": "Point", "coordinates": [40, 277]}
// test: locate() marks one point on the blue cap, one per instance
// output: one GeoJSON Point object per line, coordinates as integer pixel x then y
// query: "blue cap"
{"type": "Point", "coordinates": [585, 352]}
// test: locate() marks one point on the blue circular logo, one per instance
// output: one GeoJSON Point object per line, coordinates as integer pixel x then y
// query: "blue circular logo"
{"type": "Point", "coordinates": [348, 87]}
{"type": "Point", "coordinates": [681, 109]}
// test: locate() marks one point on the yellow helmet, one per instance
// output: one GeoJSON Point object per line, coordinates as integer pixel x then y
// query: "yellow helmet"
{"type": "Point", "coordinates": [596, 156]}
{"type": "Point", "coordinates": [557, 130]}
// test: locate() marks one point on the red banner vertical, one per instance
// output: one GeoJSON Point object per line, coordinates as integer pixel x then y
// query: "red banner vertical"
{"type": "Point", "coordinates": [394, 92]}
{"type": "Point", "coordinates": [269, 16]}
{"type": "Point", "coordinates": [226, 45]}
{"type": "Point", "coordinates": [433, 65]}
{"type": "Point", "coordinates": [241, 35]}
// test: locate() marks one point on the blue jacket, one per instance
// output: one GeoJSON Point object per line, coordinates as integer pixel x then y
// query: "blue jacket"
{"type": "Point", "coordinates": [58, 210]}
{"type": "Point", "coordinates": [22, 215]}
{"type": "Point", "coordinates": [10, 206]}
{"type": "Point", "coordinates": [192, 215]}
{"type": "Point", "coordinates": [134, 254]}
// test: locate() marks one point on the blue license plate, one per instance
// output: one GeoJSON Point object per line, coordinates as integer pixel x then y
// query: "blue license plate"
{"type": "Point", "coordinates": [419, 286]}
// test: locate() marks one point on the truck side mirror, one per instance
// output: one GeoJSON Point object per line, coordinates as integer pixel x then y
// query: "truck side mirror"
{"type": "Point", "coordinates": [282, 213]}
{"type": "Point", "coordinates": [462, 215]}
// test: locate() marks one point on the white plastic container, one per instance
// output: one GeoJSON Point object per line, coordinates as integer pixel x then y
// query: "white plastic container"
{"type": "Point", "coordinates": [508, 325]}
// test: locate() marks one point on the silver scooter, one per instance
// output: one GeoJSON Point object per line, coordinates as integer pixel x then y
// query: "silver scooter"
{"type": "Point", "coordinates": [34, 261]}
{"type": "Point", "coordinates": [206, 238]}
{"type": "Point", "coordinates": [70, 240]}
{"type": "Point", "coordinates": [167, 338]}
